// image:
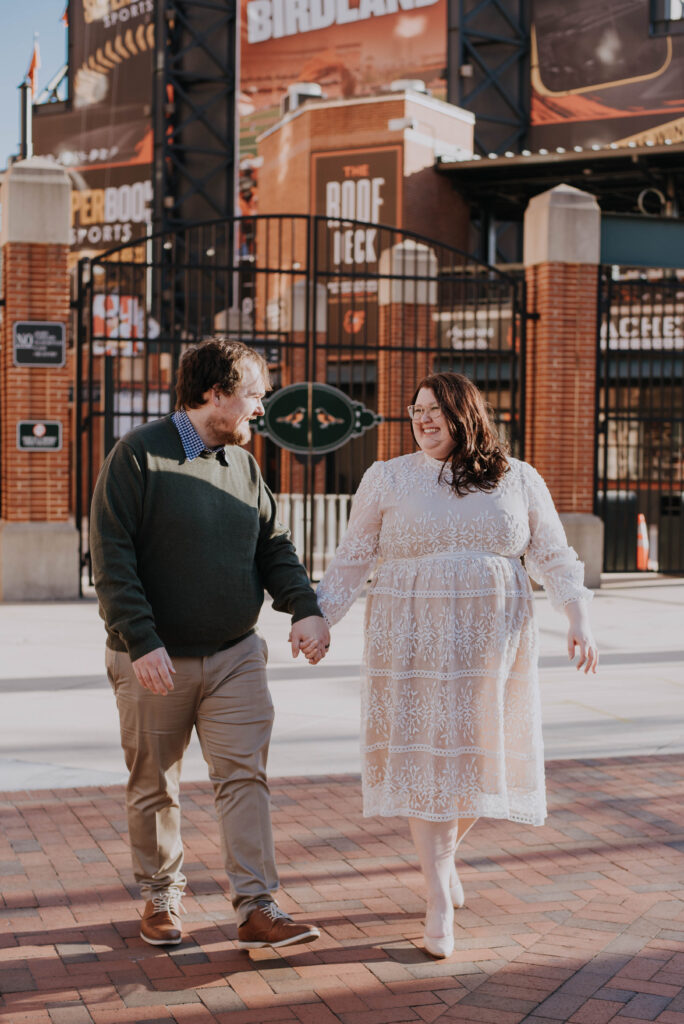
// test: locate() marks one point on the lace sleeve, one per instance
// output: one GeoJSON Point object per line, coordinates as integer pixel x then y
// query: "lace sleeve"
{"type": "Point", "coordinates": [358, 549]}
{"type": "Point", "coordinates": [549, 559]}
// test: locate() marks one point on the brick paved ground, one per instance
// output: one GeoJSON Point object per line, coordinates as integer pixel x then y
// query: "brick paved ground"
{"type": "Point", "coordinates": [580, 921]}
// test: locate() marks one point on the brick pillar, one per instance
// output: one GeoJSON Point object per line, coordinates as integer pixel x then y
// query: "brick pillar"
{"type": "Point", "coordinates": [38, 536]}
{"type": "Point", "coordinates": [407, 293]}
{"type": "Point", "coordinates": [562, 243]}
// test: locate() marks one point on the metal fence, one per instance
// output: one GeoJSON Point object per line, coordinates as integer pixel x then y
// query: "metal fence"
{"type": "Point", "coordinates": [640, 428]}
{"type": "Point", "coordinates": [361, 308]}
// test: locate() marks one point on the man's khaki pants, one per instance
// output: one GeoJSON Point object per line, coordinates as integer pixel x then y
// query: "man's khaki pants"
{"type": "Point", "coordinates": [226, 698]}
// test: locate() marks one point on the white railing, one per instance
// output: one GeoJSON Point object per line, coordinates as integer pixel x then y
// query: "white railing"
{"type": "Point", "coordinates": [330, 516]}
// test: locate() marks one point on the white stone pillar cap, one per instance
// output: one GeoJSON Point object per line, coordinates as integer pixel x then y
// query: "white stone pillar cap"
{"type": "Point", "coordinates": [562, 225]}
{"type": "Point", "coordinates": [36, 202]}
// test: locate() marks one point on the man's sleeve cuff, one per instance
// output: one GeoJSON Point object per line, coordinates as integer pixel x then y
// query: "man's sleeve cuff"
{"type": "Point", "coordinates": [306, 607]}
{"type": "Point", "coordinates": [139, 648]}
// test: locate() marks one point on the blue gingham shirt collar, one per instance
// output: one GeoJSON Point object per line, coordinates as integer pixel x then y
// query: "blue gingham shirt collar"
{"type": "Point", "coordinates": [193, 445]}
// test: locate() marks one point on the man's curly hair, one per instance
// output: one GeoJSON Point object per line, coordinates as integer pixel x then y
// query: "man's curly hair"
{"type": "Point", "coordinates": [215, 363]}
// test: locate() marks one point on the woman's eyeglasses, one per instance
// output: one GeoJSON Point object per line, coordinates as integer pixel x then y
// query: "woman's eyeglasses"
{"type": "Point", "coordinates": [416, 412]}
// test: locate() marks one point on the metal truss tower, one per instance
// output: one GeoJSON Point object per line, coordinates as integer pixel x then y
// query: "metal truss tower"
{"type": "Point", "coordinates": [489, 69]}
{"type": "Point", "coordinates": [194, 111]}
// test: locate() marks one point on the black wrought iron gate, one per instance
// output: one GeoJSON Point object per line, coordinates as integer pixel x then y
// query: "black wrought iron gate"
{"type": "Point", "coordinates": [362, 308]}
{"type": "Point", "coordinates": [640, 428]}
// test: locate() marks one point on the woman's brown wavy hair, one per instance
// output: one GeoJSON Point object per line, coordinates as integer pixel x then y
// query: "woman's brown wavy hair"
{"type": "Point", "coordinates": [479, 459]}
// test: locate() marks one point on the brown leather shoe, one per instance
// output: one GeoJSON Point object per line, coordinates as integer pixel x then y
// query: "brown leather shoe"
{"type": "Point", "coordinates": [268, 925]}
{"type": "Point", "coordinates": [160, 925]}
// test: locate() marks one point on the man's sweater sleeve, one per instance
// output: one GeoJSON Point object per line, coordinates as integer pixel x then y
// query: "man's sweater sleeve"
{"type": "Point", "coordinates": [114, 521]}
{"type": "Point", "coordinates": [281, 572]}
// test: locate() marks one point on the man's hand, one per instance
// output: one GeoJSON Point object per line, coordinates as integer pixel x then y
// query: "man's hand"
{"type": "Point", "coordinates": [154, 671]}
{"type": "Point", "coordinates": [312, 637]}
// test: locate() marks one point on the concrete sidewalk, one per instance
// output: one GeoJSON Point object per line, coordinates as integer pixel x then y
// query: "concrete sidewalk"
{"type": "Point", "coordinates": [59, 725]}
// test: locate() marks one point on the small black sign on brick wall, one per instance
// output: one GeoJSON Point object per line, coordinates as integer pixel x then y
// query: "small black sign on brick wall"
{"type": "Point", "coordinates": [39, 435]}
{"type": "Point", "coordinates": [39, 344]}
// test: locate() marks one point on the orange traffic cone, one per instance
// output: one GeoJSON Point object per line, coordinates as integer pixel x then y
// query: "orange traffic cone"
{"type": "Point", "coordinates": [642, 542]}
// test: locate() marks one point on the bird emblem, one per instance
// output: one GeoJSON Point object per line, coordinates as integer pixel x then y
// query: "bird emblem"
{"type": "Point", "coordinates": [326, 419]}
{"type": "Point", "coordinates": [294, 418]}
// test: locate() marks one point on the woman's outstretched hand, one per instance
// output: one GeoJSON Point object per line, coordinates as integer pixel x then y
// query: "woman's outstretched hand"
{"type": "Point", "coordinates": [580, 638]}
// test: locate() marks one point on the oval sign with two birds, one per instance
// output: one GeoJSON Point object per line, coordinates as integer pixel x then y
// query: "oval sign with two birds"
{"type": "Point", "coordinates": [314, 418]}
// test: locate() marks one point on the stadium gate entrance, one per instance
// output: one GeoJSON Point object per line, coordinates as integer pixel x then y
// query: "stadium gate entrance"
{"type": "Point", "coordinates": [348, 315]}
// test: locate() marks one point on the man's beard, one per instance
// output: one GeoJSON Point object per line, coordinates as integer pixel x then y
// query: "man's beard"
{"type": "Point", "coordinates": [239, 437]}
{"type": "Point", "coordinates": [218, 432]}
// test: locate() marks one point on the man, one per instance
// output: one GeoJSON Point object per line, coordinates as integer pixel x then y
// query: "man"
{"type": "Point", "coordinates": [184, 538]}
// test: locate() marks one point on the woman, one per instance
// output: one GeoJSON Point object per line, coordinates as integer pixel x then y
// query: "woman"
{"type": "Point", "coordinates": [450, 708]}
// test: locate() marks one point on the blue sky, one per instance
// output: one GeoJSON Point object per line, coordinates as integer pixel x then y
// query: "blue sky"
{"type": "Point", "coordinates": [16, 45]}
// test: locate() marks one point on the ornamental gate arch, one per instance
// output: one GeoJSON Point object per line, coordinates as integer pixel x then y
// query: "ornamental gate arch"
{"type": "Point", "coordinates": [349, 315]}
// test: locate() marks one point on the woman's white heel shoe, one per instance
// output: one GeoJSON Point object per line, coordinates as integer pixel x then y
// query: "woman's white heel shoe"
{"type": "Point", "coordinates": [456, 888]}
{"type": "Point", "coordinates": [440, 946]}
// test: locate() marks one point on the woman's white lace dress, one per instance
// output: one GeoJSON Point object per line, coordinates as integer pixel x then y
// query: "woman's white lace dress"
{"type": "Point", "coordinates": [451, 719]}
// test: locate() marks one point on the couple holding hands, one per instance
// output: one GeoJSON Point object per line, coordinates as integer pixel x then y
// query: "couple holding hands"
{"type": "Point", "coordinates": [184, 541]}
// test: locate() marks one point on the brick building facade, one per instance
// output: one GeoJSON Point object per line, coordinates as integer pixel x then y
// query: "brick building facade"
{"type": "Point", "coordinates": [377, 324]}
{"type": "Point", "coordinates": [419, 127]}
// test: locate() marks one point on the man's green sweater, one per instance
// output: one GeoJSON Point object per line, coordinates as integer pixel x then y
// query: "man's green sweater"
{"type": "Point", "coordinates": [182, 550]}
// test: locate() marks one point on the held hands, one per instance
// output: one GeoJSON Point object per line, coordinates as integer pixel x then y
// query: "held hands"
{"type": "Point", "coordinates": [311, 636]}
{"type": "Point", "coordinates": [580, 636]}
{"type": "Point", "coordinates": [154, 671]}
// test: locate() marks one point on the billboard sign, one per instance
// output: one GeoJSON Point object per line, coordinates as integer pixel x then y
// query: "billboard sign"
{"type": "Point", "coordinates": [598, 76]}
{"type": "Point", "coordinates": [350, 49]}
{"type": "Point", "coordinates": [112, 207]}
{"type": "Point", "coordinates": [357, 185]}
{"type": "Point", "coordinates": [118, 322]}
{"type": "Point", "coordinates": [112, 49]}
{"type": "Point", "coordinates": [104, 136]}
{"type": "Point", "coordinates": [348, 186]}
